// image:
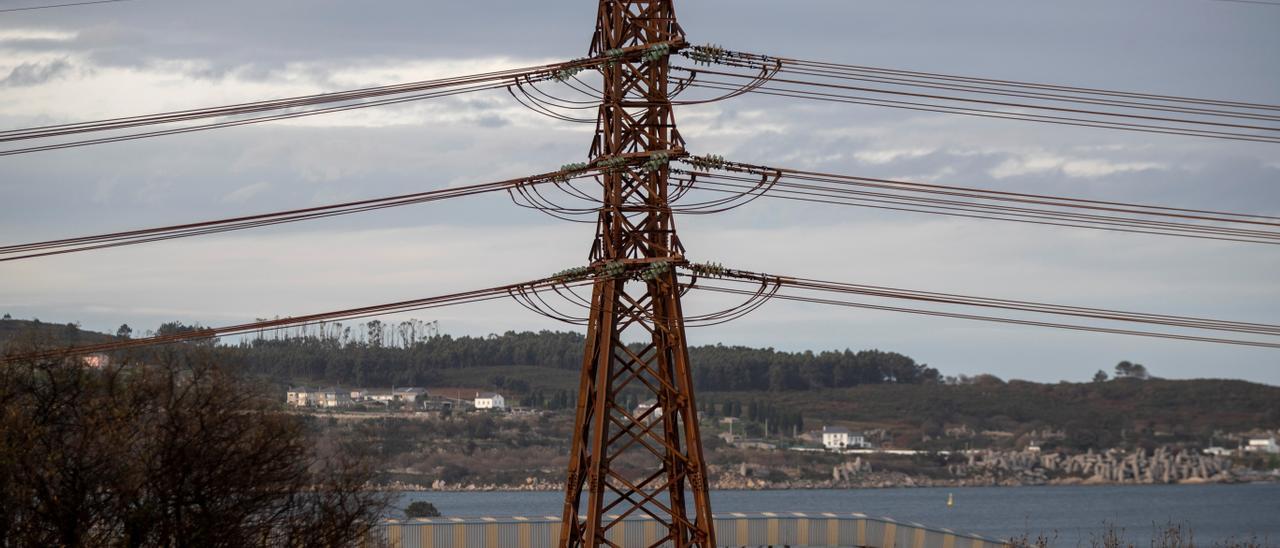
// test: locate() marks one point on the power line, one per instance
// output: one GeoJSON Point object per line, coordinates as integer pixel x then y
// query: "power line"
{"type": "Point", "coordinates": [41, 132]}
{"type": "Point", "coordinates": [6, 10]}
{"type": "Point", "coordinates": [1007, 104]}
{"type": "Point", "coordinates": [1251, 2]}
{"type": "Point", "coordinates": [115, 239]}
{"type": "Point", "coordinates": [997, 319]}
{"type": "Point", "coordinates": [722, 56]}
{"type": "Point", "coordinates": [733, 276]}
{"type": "Point", "coordinates": [992, 205]}
{"type": "Point", "coordinates": [247, 121]}
{"type": "Point", "coordinates": [971, 202]}
{"type": "Point", "coordinates": [985, 113]}
{"type": "Point", "coordinates": [1029, 306]}
{"type": "Point", "coordinates": [939, 84]}
{"type": "Point", "coordinates": [348, 100]}
{"type": "Point", "coordinates": [982, 97]}
{"type": "Point", "coordinates": [780, 192]}
{"type": "Point", "coordinates": [1105, 205]}
{"type": "Point", "coordinates": [951, 299]}
{"type": "Point", "coordinates": [466, 297]}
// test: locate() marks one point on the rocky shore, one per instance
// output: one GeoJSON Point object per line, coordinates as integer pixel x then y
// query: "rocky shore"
{"type": "Point", "coordinates": [1113, 466]}
{"type": "Point", "coordinates": [978, 469]}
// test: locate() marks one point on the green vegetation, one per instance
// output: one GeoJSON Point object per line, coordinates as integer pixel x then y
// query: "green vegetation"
{"type": "Point", "coordinates": [346, 359]}
{"type": "Point", "coordinates": [167, 452]}
{"type": "Point", "coordinates": [517, 379]}
{"type": "Point", "coordinates": [1119, 413]}
{"type": "Point", "coordinates": [56, 333]}
{"type": "Point", "coordinates": [374, 353]}
{"type": "Point", "coordinates": [1169, 535]}
{"type": "Point", "coordinates": [421, 509]}
{"type": "Point", "coordinates": [908, 403]}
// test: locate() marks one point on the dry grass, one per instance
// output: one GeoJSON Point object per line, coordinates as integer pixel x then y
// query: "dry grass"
{"type": "Point", "coordinates": [1169, 535]}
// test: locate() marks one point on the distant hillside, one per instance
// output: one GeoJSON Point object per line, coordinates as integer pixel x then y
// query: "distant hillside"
{"type": "Point", "coordinates": [62, 334]}
{"type": "Point", "coordinates": [386, 354]}
{"type": "Point", "coordinates": [1115, 413]}
{"type": "Point", "coordinates": [869, 390]}
{"type": "Point", "coordinates": [1120, 412]}
{"type": "Point", "coordinates": [332, 360]}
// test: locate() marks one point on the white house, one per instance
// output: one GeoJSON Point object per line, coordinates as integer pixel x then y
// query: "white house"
{"type": "Point", "coordinates": [299, 397]}
{"type": "Point", "coordinates": [388, 395]}
{"type": "Point", "coordinates": [645, 406]}
{"type": "Point", "coordinates": [331, 397]}
{"type": "Point", "coordinates": [317, 397]}
{"type": "Point", "coordinates": [1262, 445]}
{"type": "Point", "coordinates": [490, 400]}
{"type": "Point", "coordinates": [408, 395]}
{"type": "Point", "coordinates": [382, 395]}
{"type": "Point", "coordinates": [839, 437]}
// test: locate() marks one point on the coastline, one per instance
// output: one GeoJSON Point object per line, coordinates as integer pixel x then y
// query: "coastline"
{"type": "Point", "coordinates": [1070, 515]}
{"type": "Point", "coordinates": [802, 486]}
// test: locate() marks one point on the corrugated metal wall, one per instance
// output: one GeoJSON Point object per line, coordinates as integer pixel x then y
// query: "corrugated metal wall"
{"type": "Point", "coordinates": [765, 529]}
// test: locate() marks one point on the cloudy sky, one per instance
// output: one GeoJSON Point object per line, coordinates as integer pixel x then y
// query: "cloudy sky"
{"type": "Point", "coordinates": [91, 62]}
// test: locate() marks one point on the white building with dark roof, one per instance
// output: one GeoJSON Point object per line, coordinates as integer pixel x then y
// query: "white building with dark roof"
{"type": "Point", "coordinates": [839, 437]}
{"type": "Point", "coordinates": [490, 400]}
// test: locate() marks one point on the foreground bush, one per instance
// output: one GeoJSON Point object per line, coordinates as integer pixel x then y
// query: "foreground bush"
{"type": "Point", "coordinates": [167, 450]}
{"type": "Point", "coordinates": [421, 509]}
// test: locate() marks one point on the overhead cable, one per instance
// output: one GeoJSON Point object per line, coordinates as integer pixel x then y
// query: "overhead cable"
{"type": "Point", "coordinates": [960, 201]}
{"type": "Point", "coordinates": [131, 237]}
{"type": "Point", "coordinates": [465, 297]}
{"type": "Point", "coordinates": [286, 108]}
{"type": "Point", "coordinates": [980, 97]}
{"type": "Point", "coordinates": [1185, 327]}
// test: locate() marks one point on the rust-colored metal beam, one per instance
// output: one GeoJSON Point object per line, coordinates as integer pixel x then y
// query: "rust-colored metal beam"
{"type": "Point", "coordinates": [622, 463]}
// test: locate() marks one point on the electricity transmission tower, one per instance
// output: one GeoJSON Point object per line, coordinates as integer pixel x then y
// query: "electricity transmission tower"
{"type": "Point", "coordinates": [625, 462]}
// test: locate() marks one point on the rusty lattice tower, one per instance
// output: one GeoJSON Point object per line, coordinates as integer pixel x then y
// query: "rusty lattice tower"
{"type": "Point", "coordinates": [626, 462]}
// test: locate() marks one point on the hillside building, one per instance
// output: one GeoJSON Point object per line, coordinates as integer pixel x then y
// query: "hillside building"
{"type": "Point", "coordinates": [299, 397]}
{"type": "Point", "coordinates": [1262, 445]}
{"type": "Point", "coordinates": [490, 400]}
{"type": "Point", "coordinates": [388, 395]}
{"type": "Point", "coordinates": [644, 407]}
{"type": "Point", "coordinates": [839, 437]}
{"type": "Point", "coordinates": [319, 397]}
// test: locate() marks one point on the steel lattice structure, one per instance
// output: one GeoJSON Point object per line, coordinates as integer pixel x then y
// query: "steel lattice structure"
{"type": "Point", "coordinates": [623, 462]}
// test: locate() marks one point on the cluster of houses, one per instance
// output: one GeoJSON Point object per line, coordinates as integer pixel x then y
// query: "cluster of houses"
{"type": "Point", "coordinates": [831, 438]}
{"type": "Point", "coordinates": [413, 397]}
{"type": "Point", "coordinates": [1264, 445]}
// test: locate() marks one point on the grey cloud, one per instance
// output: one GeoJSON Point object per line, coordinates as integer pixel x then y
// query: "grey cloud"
{"type": "Point", "coordinates": [1091, 42]}
{"type": "Point", "coordinates": [1198, 49]}
{"type": "Point", "coordinates": [492, 121]}
{"type": "Point", "coordinates": [30, 74]}
{"type": "Point", "coordinates": [36, 44]}
{"type": "Point", "coordinates": [1184, 172]}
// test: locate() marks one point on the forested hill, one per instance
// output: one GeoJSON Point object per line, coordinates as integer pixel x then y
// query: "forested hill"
{"type": "Point", "coordinates": [428, 362]}
{"type": "Point", "coordinates": [394, 354]}
{"type": "Point", "coordinates": [866, 389]}
{"type": "Point", "coordinates": [36, 331]}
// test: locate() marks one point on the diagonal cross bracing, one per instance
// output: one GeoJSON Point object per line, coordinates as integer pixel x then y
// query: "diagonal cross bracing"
{"type": "Point", "coordinates": [624, 462]}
